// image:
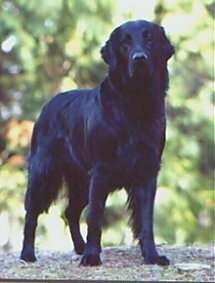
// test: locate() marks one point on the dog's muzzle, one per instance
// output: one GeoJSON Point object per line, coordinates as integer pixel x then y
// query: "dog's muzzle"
{"type": "Point", "coordinates": [137, 63]}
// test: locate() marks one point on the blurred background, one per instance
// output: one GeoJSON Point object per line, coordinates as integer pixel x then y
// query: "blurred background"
{"type": "Point", "coordinates": [50, 46]}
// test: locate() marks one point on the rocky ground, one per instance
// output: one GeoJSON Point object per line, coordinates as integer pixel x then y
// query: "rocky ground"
{"type": "Point", "coordinates": [191, 263]}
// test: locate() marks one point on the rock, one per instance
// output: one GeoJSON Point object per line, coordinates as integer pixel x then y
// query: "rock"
{"type": "Point", "coordinates": [191, 266]}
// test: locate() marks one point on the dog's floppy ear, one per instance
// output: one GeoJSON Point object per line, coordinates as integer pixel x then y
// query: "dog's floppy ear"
{"type": "Point", "coordinates": [108, 51]}
{"type": "Point", "coordinates": [168, 48]}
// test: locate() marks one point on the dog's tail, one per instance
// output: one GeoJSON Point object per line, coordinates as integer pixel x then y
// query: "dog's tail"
{"type": "Point", "coordinates": [45, 173]}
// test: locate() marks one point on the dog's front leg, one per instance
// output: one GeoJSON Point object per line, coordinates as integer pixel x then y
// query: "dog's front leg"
{"type": "Point", "coordinates": [144, 205]}
{"type": "Point", "coordinates": [97, 197]}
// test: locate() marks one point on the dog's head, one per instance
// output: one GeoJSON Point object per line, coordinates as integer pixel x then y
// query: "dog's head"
{"type": "Point", "coordinates": [137, 47]}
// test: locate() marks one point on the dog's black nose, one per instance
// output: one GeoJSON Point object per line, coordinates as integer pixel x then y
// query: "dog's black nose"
{"type": "Point", "coordinates": [139, 56]}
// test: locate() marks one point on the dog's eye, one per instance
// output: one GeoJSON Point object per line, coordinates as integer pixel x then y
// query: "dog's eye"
{"type": "Point", "coordinates": [146, 35]}
{"type": "Point", "coordinates": [127, 38]}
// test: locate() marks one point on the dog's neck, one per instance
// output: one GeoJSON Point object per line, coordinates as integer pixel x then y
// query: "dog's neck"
{"type": "Point", "coordinates": [138, 100]}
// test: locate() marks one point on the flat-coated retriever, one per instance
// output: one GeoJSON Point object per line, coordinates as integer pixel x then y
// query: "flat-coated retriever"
{"type": "Point", "coordinates": [103, 139]}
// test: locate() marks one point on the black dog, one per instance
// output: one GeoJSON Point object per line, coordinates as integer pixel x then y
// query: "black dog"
{"type": "Point", "coordinates": [103, 139]}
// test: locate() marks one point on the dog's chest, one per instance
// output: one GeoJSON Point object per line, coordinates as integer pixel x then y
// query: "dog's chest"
{"type": "Point", "coordinates": [127, 149]}
{"type": "Point", "coordinates": [130, 150]}
{"type": "Point", "coordinates": [139, 153]}
{"type": "Point", "coordinates": [137, 136]}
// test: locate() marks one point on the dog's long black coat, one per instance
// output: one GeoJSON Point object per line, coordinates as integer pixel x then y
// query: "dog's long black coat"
{"type": "Point", "coordinates": [102, 139]}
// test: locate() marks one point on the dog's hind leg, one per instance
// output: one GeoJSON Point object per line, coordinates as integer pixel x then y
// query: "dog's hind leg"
{"type": "Point", "coordinates": [43, 185]}
{"type": "Point", "coordinates": [78, 199]}
{"type": "Point", "coordinates": [28, 253]}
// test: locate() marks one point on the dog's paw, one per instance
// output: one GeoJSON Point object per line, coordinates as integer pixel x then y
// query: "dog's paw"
{"type": "Point", "coordinates": [90, 260]}
{"type": "Point", "coordinates": [80, 247]}
{"type": "Point", "coordinates": [28, 256]}
{"type": "Point", "coordinates": [160, 260]}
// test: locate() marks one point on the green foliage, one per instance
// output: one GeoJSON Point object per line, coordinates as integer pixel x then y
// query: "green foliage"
{"type": "Point", "coordinates": [11, 189]}
{"type": "Point", "coordinates": [40, 48]}
{"type": "Point", "coordinates": [50, 46]}
{"type": "Point", "coordinates": [189, 154]}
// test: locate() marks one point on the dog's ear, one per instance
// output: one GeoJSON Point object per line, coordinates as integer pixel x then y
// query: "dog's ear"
{"type": "Point", "coordinates": [108, 51]}
{"type": "Point", "coordinates": [167, 47]}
